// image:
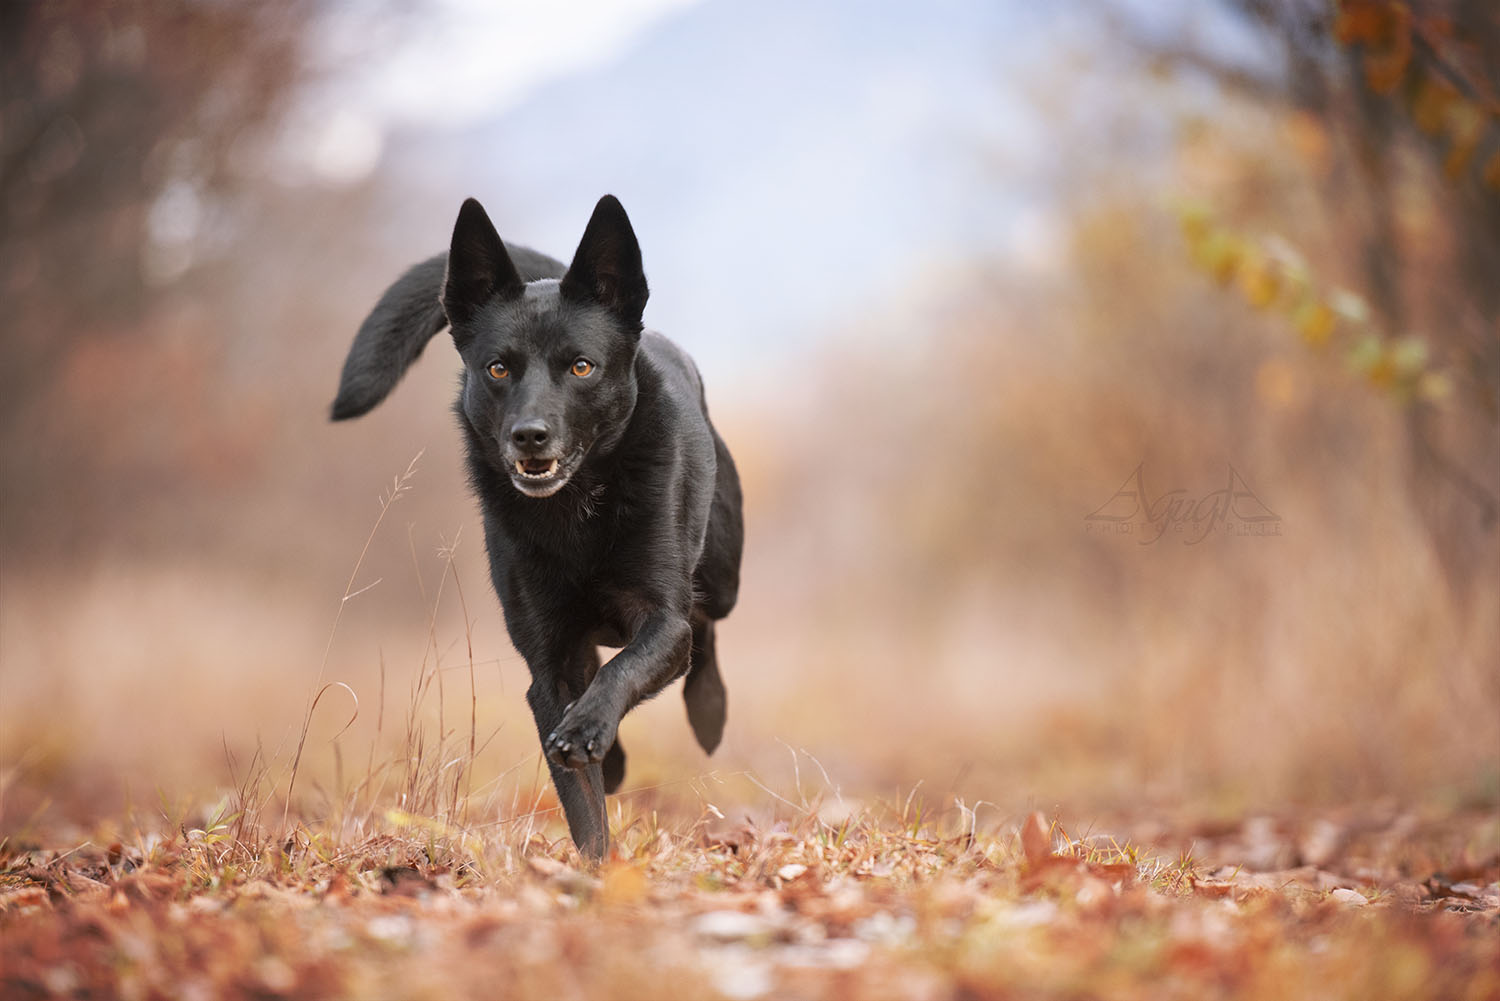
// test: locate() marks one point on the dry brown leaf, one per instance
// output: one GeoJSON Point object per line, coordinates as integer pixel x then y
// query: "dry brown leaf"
{"type": "Point", "coordinates": [1211, 887]}
{"type": "Point", "coordinates": [622, 884]}
{"type": "Point", "coordinates": [26, 896]}
{"type": "Point", "coordinates": [405, 881]}
{"type": "Point", "coordinates": [1121, 872]}
{"type": "Point", "coordinates": [544, 866]}
{"type": "Point", "coordinates": [1094, 895]}
{"type": "Point", "coordinates": [338, 888]}
{"type": "Point", "coordinates": [1036, 839]}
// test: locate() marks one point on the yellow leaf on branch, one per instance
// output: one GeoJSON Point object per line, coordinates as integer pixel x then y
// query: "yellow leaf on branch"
{"type": "Point", "coordinates": [1429, 110]}
{"type": "Point", "coordinates": [1434, 386]}
{"type": "Point", "coordinates": [1492, 171]}
{"type": "Point", "coordinates": [1466, 125]}
{"type": "Point", "coordinates": [1315, 322]}
{"type": "Point", "coordinates": [1258, 282]}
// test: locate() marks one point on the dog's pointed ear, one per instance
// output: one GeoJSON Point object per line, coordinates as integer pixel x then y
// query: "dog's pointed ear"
{"type": "Point", "coordinates": [607, 266]}
{"type": "Point", "coordinates": [392, 336]}
{"type": "Point", "coordinates": [478, 266]}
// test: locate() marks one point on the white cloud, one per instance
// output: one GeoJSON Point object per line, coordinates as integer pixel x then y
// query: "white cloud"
{"type": "Point", "coordinates": [467, 59]}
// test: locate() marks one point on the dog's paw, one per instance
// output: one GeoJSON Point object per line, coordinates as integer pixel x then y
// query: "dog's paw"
{"type": "Point", "coordinates": [579, 740]}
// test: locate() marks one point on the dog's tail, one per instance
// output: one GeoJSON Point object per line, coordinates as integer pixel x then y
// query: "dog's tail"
{"type": "Point", "coordinates": [407, 316]}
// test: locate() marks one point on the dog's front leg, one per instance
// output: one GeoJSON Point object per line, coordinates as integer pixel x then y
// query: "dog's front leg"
{"type": "Point", "coordinates": [580, 791]}
{"type": "Point", "coordinates": [657, 654]}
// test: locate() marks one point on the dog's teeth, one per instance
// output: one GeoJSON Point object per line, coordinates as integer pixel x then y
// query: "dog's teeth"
{"type": "Point", "coordinates": [542, 475]}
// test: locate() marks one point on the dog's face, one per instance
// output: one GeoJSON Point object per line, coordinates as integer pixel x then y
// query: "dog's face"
{"type": "Point", "coordinates": [549, 367]}
{"type": "Point", "coordinates": [546, 380]}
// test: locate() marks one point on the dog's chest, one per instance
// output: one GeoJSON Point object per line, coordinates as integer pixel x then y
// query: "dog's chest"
{"type": "Point", "coordinates": [593, 575]}
{"type": "Point", "coordinates": [616, 606]}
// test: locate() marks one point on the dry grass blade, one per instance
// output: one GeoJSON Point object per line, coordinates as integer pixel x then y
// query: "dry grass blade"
{"type": "Point", "coordinates": [400, 485]}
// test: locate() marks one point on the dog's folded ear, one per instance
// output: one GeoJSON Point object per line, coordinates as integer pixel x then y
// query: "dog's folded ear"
{"type": "Point", "coordinates": [607, 266]}
{"type": "Point", "coordinates": [479, 268]}
{"type": "Point", "coordinates": [392, 336]}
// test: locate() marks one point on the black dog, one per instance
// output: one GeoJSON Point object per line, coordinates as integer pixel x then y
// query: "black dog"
{"type": "Point", "coordinates": [611, 506]}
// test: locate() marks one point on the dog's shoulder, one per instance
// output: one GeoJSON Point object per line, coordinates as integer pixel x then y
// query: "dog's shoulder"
{"type": "Point", "coordinates": [677, 429]}
{"type": "Point", "coordinates": [680, 380]}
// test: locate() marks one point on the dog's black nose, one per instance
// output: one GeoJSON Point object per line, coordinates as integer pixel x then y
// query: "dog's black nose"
{"type": "Point", "coordinates": [531, 435]}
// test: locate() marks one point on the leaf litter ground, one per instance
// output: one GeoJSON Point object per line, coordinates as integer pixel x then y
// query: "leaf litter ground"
{"type": "Point", "coordinates": [880, 904]}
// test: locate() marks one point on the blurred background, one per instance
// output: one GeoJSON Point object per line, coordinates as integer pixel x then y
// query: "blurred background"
{"type": "Point", "coordinates": [1114, 387]}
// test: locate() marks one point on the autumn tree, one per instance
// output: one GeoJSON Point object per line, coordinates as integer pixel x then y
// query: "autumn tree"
{"type": "Point", "coordinates": [1399, 101]}
{"type": "Point", "coordinates": [125, 129]}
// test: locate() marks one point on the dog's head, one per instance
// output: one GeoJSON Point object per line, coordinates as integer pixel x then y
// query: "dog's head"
{"type": "Point", "coordinates": [549, 364]}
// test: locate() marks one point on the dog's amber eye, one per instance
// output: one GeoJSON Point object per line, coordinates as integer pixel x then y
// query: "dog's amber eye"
{"type": "Point", "coordinates": [498, 370]}
{"type": "Point", "coordinates": [582, 367]}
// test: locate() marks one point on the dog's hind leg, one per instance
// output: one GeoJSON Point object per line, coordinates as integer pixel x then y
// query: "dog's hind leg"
{"type": "Point", "coordinates": [581, 790]}
{"type": "Point", "coordinates": [614, 766]}
{"type": "Point", "coordinates": [703, 691]}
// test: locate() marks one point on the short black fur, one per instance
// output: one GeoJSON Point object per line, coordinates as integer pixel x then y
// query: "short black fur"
{"type": "Point", "coordinates": [612, 509]}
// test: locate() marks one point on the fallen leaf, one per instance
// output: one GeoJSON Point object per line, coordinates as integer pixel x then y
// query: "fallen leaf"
{"type": "Point", "coordinates": [405, 881]}
{"type": "Point", "coordinates": [622, 883]}
{"type": "Point", "coordinates": [1036, 839]}
{"type": "Point", "coordinates": [544, 866]}
{"type": "Point", "coordinates": [729, 926]}
{"type": "Point", "coordinates": [1211, 887]}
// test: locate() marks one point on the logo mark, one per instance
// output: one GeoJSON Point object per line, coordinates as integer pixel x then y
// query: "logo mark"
{"type": "Point", "coordinates": [1232, 510]}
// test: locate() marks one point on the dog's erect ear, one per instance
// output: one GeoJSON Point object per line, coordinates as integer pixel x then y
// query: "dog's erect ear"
{"type": "Point", "coordinates": [391, 338]}
{"type": "Point", "coordinates": [607, 266]}
{"type": "Point", "coordinates": [478, 266]}
{"type": "Point", "coordinates": [425, 299]}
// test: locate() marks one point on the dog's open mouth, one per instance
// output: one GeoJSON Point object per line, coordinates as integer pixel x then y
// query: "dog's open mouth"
{"type": "Point", "coordinates": [536, 469]}
{"type": "Point", "coordinates": [541, 477]}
